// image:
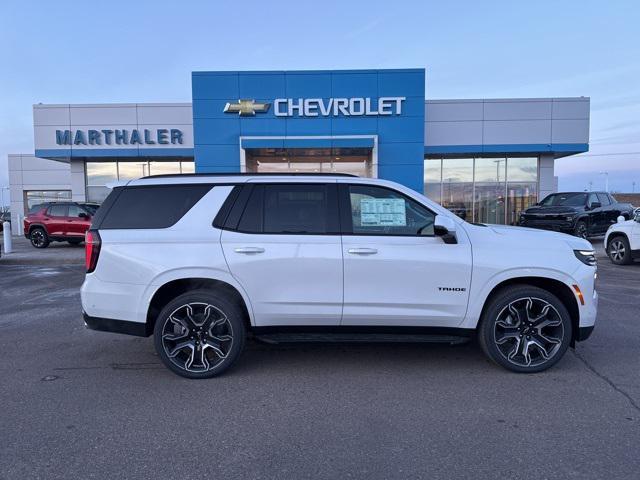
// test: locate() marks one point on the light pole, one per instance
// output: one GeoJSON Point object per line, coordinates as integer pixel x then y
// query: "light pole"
{"type": "Point", "coordinates": [606, 180]}
{"type": "Point", "coordinates": [633, 187]}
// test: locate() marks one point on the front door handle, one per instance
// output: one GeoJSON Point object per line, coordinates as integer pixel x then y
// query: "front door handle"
{"type": "Point", "coordinates": [363, 251]}
{"type": "Point", "coordinates": [249, 250]}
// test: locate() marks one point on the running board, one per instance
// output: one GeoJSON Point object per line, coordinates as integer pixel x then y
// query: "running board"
{"type": "Point", "coordinates": [275, 338]}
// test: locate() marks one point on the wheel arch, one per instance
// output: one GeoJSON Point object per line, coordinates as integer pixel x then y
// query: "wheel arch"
{"type": "Point", "coordinates": [613, 235]}
{"type": "Point", "coordinates": [551, 285]}
{"type": "Point", "coordinates": [34, 225]}
{"type": "Point", "coordinates": [170, 289]}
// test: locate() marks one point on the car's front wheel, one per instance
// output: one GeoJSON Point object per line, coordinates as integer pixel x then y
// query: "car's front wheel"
{"type": "Point", "coordinates": [525, 329]}
{"type": "Point", "coordinates": [39, 238]}
{"type": "Point", "coordinates": [581, 229]}
{"type": "Point", "coordinates": [619, 251]}
{"type": "Point", "coordinates": [200, 334]}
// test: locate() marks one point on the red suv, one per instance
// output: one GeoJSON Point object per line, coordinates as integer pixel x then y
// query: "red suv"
{"type": "Point", "coordinates": [58, 222]}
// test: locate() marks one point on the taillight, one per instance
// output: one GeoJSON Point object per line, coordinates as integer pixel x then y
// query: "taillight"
{"type": "Point", "coordinates": [91, 249]}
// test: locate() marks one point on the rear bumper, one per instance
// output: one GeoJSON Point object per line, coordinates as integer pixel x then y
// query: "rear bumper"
{"type": "Point", "coordinates": [116, 326]}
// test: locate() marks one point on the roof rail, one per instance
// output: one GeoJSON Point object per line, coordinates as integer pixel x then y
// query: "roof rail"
{"type": "Point", "coordinates": [243, 174]}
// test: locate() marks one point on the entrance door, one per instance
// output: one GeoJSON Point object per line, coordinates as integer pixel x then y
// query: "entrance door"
{"type": "Point", "coordinates": [356, 161]}
{"type": "Point", "coordinates": [396, 271]}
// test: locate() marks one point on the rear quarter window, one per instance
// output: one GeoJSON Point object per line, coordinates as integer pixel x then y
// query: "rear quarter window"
{"type": "Point", "coordinates": [147, 207]}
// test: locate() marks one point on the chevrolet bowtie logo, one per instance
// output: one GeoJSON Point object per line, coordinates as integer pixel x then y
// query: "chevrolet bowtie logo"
{"type": "Point", "coordinates": [246, 108]}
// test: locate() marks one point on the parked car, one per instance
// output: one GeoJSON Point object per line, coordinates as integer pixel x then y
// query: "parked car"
{"type": "Point", "coordinates": [58, 222]}
{"type": "Point", "coordinates": [583, 214]}
{"type": "Point", "coordinates": [201, 261]}
{"type": "Point", "coordinates": [622, 241]}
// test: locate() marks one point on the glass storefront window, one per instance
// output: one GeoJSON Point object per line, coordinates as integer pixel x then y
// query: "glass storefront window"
{"type": "Point", "coordinates": [489, 203]}
{"type": "Point", "coordinates": [101, 173]}
{"type": "Point", "coordinates": [490, 170]}
{"type": "Point", "coordinates": [132, 170]}
{"type": "Point", "coordinates": [458, 198]}
{"type": "Point", "coordinates": [163, 168]}
{"type": "Point", "coordinates": [457, 170]}
{"type": "Point", "coordinates": [483, 189]}
{"type": "Point", "coordinates": [520, 196]}
{"type": "Point", "coordinates": [432, 170]}
{"type": "Point", "coordinates": [97, 194]}
{"type": "Point", "coordinates": [522, 169]}
{"type": "Point", "coordinates": [188, 167]}
{"type": "Point", "coordinates": [36, 197]}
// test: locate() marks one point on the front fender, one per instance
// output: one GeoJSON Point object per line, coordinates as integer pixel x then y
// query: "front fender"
{"type": "Point", "coordinates": [480, 293]}
{"type": "Point", "coordinates": [185, 274]}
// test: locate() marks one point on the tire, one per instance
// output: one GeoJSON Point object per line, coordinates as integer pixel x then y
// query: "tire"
{"type": "Point", "coordinates": [210, 328]}
{"type": "Point", "coordinates": [39, 237]}
{"type": "Point", "coordinates": [619, 250]}
{"type": "Point", "coordinates": [510, 326]}
{"type": "Point", "coordinates": [581, 229]}
{"type": "Point", "coordinates": [75, 241]}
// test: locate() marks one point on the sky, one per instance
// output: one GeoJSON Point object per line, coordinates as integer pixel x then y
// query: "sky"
{"type": "Point", "coordinates": [145, 51]}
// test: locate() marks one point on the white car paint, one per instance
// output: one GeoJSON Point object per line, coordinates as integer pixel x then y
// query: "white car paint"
{"type": "Point", "coordinates": [316, 280]}
{"type": "Point", "coordinates": [630, 228]}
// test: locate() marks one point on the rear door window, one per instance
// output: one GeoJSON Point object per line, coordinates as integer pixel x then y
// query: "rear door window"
{"type": "Point", "coordinates": [75, 211]}
{"type": "Point", "coordinates": [603, 198]}
{"type": "Point", "coordinates": [302, 209]}
{"type": "Point", "coordinates": [58, 210]}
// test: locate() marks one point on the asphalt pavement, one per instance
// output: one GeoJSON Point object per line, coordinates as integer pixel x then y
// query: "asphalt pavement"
{"type": "Point", "coordinates": [82, 404]}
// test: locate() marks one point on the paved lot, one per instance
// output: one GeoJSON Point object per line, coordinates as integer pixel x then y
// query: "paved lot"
{"type": "Point", "coordinates": [83, 404]}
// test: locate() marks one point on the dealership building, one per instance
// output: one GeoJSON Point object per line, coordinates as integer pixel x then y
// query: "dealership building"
{"type": "Point", "coordinates": [485, 159]}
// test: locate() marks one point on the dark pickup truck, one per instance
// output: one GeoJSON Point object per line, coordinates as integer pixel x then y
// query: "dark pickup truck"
{"type": "Point", "coordinates": [582, 214]}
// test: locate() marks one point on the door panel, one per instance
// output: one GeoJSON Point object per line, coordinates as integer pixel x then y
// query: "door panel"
{"type": "Point", "coordinates": [76, 225]}
{"type": "Point", "coordinates": [400, 284]}
{"type": "Point", "coordinates": [56, 220]}
{"type": "Point", "coordinates": [396, 271]}
{"type": "Point", "coordinates": [290, 279]}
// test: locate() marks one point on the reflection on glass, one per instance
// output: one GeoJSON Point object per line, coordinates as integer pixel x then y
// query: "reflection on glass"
{"type": "Point", "coordinates": [458, 198]}
{"type": "Point", "coordinates": [522, 169]}
{"type": "Point", "coordinates": [97, 194]}
{"type": "Point", "coordinates": [520, 196]}
{"type": "Point", "coordinates": [432, 170]}
{"type": "Point", "coordinates": [490, 170]}
{"type": "Point", "coordinates": [188, 167]}
{"type": "Point", "coordinates": [101, 173]}
{"type": "Point", "coordinates": [163, 168]}
{"type": "Point", "coordinates": [432, 191]}
{"type": "Point", "coordinates": [132, 170]}
{"type": "Point", "coordinates": [489, 203]}
{"type": "Point", "coordinates": [35, 197]}
{"type": "Point", "coordinates": [457, 170]}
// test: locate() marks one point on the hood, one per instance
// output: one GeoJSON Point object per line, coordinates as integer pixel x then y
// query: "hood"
{"type": "Point", "coordinates": [528, 235]}
{"type": "Point", "coordinates": [552, 210]}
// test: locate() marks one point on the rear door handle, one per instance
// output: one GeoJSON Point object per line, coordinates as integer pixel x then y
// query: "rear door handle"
{"type": "Point", "coordinates": [249, 250]}
{"type": "Point", "coordinates": [363, 251]}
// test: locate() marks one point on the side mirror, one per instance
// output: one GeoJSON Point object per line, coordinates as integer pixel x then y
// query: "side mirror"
{"type": "Point", "coordinates": [594, 205]}
{"type": "Point", "coordinates": [445, 227]}
{"type": "Point", "coordinates": [620, 219]}
{"type": "Point", "coordinates": [84, 215]}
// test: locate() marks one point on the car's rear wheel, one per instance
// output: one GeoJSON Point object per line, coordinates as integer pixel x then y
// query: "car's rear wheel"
{"type": "Point", "coordinates": [200, 334]}
{"type": "Point", "coordinates": [39, 238]}
{"type": "Point", "coordinates": [619, 250]}
{"type": "Point", "coordinates": [581, 230]}
{"type": "Point", "coordinates": [525, 329]}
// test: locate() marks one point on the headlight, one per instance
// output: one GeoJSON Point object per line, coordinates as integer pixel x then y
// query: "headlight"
{"type": "Point", "coordinates": [588, 257]}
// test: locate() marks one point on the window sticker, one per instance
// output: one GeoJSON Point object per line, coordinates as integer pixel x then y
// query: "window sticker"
{"type": "Point", "coordinates": [382, 212]}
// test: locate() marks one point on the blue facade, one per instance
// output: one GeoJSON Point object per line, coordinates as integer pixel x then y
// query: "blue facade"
{"type": "Point", "coordinates": [398, 137]}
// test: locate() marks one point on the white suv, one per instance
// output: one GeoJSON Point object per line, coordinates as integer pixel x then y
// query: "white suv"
{"type": "Point", "coordinates": [622, 240]}
{"type": "Point", "coordinates": [201, 261]}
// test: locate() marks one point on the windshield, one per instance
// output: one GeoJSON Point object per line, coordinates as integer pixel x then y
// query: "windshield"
{"type": "Point", "coordinates": [565, 199]}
